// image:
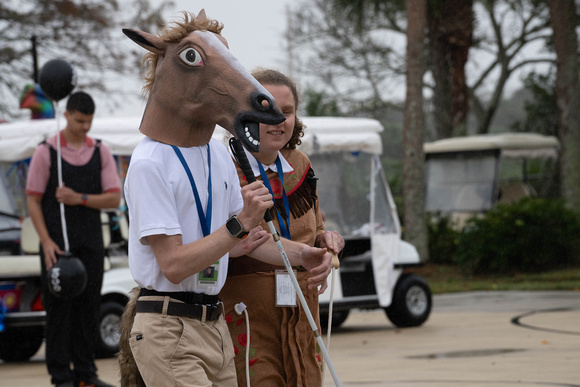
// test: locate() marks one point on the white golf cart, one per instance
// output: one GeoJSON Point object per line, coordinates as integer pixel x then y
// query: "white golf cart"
{"type": "Point", "coordinates": [353, 194]}
{"type": "Point", "coordinates": [467, 176]}
{"type": "Point", "coordinates": [21, 312]}
{"type": "Point", "coordinates": [375, 267]}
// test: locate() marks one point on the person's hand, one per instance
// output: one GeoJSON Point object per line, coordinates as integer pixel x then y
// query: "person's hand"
{"type": "Point", "coordinates": [257, 200]}
{"type": "Point", "coordinates": [330, 240]}
{"type": "Point", "coordinates": [68, 196]}
{"type": "Point", "coordinates": [318, 262]}
{"type": "Point", "coordinates": [255, 238]}
{"type": "Point", "coordinates": [50, 250]}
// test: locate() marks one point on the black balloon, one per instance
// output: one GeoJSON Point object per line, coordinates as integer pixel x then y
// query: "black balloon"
{"type": "Point", "coordinates": [67, 278]}
{"type": "Point", "coordinates": [57, 79]}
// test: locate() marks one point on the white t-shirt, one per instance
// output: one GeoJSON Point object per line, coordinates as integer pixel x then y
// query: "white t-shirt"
{"type": "Point", "coordinates": [161, 201]}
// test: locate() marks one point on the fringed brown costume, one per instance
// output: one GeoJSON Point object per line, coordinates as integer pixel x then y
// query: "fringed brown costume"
{"type": "Point", "coordinates": [130, 376]}
{"type": "Point", "coordinates": [281, 329]}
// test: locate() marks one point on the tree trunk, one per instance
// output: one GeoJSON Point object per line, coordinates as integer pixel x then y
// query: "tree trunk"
{"type": "Point", "coordinates": [443, 120]}
{"type": "Point", "coordinates": [450, 37]}
{"type": "Point", "coordinates": [413, 132]}
{"type": "Point", "coordinates": [563, 21]}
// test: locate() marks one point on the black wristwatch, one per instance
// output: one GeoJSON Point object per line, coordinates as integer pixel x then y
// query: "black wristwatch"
{"type": "Point", "coordinates": [235, 227]}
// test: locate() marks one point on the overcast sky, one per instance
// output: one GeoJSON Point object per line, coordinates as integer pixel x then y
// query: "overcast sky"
{"type": "Point", "coordinates": [254, 30]}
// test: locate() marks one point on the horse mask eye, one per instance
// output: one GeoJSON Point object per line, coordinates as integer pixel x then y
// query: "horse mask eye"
{"type": "Point", "coordinates": [191, 57]}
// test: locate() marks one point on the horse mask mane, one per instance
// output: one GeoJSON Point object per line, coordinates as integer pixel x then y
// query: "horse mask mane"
{"type": "Point", "coordinates": [194, 82]}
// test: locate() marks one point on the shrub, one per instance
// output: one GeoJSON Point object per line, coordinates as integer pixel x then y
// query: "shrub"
{"type": "Point", "coordinates": [443, 239]}
{"type": "Point", "coordinates": [530, 236]}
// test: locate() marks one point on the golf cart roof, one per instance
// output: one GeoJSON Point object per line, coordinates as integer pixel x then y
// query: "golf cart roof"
{"type": "Point", "coordinates": [322, 134]}
{"type": "Point", "coordinates": [511, 145]}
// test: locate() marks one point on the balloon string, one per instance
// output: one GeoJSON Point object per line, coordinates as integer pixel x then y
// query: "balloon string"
{"type": "Point", "coordinates": [59, 168]}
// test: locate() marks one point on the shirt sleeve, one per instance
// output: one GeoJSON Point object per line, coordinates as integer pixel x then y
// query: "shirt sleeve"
{"type": "Point", "coordinates": [319, 221]}
{"type": "Point", "coordinates": [318, 213]}
{"type": "Point", "coordinates": [39, 171]}
{"type": "Point", "coordinates": [152, 204]}
{"type": "Point", "coordinates": [109, 176]}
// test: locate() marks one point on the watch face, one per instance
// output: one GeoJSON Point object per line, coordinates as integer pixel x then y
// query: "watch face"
{"type": "Point", "coordinates": [234, 226]}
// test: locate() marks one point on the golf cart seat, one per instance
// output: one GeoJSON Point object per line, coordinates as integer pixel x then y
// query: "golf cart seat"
{"type": "Point", "coordinates": [30, 243]}
{"type": "Point", "coordinates": [513, 192]}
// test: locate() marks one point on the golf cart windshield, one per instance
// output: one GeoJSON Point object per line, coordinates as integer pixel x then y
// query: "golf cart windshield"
{"type": "Point", "coordinates": [9, 213]}
{"type": "Point", "coordinates": [344, 191]}
{"type": "Point", "coordinates": [461, 182]}
{"type": "Point", "coordinates": [473, 174]}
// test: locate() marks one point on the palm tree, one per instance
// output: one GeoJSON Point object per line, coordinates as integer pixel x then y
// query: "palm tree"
{"type": "Point", "coordinates": [450, 25]}
{"type": "Point", "coordinates": [563, 20]}
{"type": "Point", "coordinates": [413, 132]}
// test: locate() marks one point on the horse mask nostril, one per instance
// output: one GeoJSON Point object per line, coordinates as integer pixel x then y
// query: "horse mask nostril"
{"type": "Point", "coordinates": [262, 102]}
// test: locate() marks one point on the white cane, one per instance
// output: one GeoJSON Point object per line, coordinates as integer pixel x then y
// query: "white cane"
{"type": "Point", "coordinates": [335, 265]}
{"type": "Point", "coordinates": [244, 164]}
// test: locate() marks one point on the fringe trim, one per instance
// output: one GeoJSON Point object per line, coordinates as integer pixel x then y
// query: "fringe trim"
{"type": "Point", "coordinates": [301, 200]}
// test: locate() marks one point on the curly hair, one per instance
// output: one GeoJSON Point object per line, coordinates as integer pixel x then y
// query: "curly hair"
{"type": "Point", "coordinates": [173, 34]}
{"type": "Point", "coordinates": [274, 77]}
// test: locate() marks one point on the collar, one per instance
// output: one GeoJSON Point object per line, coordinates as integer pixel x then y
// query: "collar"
{"type": "Point", "coordinates": [89, 142]}
{"type": "Point", "coordinates": [286, 167]}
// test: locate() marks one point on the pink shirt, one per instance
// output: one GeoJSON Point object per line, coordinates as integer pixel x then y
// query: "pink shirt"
{"type": "Point", "coordinates": [39, 171]}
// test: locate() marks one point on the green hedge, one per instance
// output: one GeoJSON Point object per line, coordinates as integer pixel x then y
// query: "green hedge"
{"type": "Point", "coordinates": [443, 239]}
{"type": "Point", "coordinates": [530, 236]}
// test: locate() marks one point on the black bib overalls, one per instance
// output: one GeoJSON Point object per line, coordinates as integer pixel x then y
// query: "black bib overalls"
{"type": "Point", "coordinates": [72, 325]}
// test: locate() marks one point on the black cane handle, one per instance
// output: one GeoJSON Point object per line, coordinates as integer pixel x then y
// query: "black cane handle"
{"type": "Point", "coordinates": [242, 160]}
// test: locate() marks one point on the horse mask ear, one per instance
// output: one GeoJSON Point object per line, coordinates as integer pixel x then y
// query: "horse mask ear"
{"type": "Point", "coordinates": [146, 40]}
{"type": "Point", "coordinates": [201, 16]}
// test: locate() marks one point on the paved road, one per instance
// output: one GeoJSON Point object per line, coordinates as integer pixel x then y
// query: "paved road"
{"type": "Point", "coordinates": [474, 339]}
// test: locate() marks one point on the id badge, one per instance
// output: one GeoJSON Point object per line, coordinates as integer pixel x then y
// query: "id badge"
{"type": "Point", "coordinates": [209, 275]}
{"type": "Point", "coordinates": [285, 292]}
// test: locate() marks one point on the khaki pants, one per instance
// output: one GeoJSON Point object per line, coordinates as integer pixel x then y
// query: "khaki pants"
{"type": "Point", "coordinates": [182, 351]}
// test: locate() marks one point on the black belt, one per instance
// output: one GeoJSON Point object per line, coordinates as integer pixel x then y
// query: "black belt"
{"type": "Point", "coordinates": [187, 297]}
{"type": "Point", "coordinates": [212, 312]}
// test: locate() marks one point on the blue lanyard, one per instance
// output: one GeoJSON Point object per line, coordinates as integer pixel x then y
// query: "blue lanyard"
{"type": "Point", "coordinates": [205, 221]}
{"type": "Point", "coordinates": [284, 226]}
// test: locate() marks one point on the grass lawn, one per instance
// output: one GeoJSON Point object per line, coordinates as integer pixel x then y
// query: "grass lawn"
{"type": "Point", "coordinates": [448, 279]}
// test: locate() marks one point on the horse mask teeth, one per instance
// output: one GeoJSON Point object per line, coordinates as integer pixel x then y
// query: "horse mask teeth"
{"type": "Point", "coordinates": [251, 136]}
{"type": "Point", "coordinates": [247, 127]}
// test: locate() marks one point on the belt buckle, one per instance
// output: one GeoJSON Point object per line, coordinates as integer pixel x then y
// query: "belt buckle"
{"type": "Point", "coordinates": [213, 311]}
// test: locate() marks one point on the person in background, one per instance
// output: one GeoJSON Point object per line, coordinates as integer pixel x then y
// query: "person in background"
{"type": "Point", "coordinates": [283, 348]}
{"type": "Point", "coordinates": [89, 183]}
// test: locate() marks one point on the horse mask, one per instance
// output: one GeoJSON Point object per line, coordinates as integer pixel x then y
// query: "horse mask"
{"type": "Point", "coordinates": [195, 83]}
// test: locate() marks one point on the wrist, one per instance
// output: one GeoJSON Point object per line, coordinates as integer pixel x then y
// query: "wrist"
{"type": "Point", "coordinates": [243, 219]}
{"type": "Point", "coordinates": [84, 199]}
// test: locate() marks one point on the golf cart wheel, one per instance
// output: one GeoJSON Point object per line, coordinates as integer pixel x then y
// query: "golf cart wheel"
{"type": "Point", "coordinates": [109, 329]}
{"type": "Point", "coordinates": [20, 344]}
{"type": "Point", "coordinates": [411, 303]}
{"type": "Point", "coordinates": [338, 317]}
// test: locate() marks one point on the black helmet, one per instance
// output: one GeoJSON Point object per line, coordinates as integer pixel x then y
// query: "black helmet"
{"type": "Point", "coordinates": [68, 277]}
